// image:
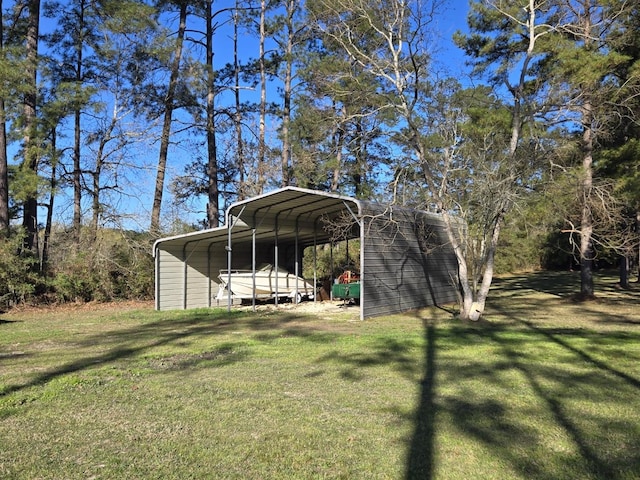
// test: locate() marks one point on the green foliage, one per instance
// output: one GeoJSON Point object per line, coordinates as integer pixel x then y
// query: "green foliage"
{"type": "Point", "coordinates": [532, 237]}
{"type": "Point", "coordinates": [332, 262]}
{"type": "Point", "coordinates": [23, 183]}
{"type": "Point", "coordinates": [622, 162]}
{"type": "Point", "coordinates": [115, 265]}
{"type": "Point", "coordinates": [517, 252]}
{"type": "Point", "coordinates": [76, 286]}
{"type": "Point", "coordinates": [18, 277]}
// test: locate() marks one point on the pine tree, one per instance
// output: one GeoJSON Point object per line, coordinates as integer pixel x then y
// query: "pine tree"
{"type": "Point", "coordinates": [4, 170]}
{"type": "Point", "coordinates": [583, 62]}
{"type": "Point", "coordinates": [73, 70]}
{"type": "Point", "coordinates": [29, 166]}
{"type": "Point", "coordinates": [168, 106]}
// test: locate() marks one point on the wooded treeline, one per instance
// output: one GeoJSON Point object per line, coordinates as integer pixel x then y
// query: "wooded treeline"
{"type": "Point", "coordinates": [119, 119]}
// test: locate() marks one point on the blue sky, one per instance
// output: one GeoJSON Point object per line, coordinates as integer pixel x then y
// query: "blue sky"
{"type": "Point", "coordinates": [454, 18]}
{"type": "Point", "coordinates": [449, 60]}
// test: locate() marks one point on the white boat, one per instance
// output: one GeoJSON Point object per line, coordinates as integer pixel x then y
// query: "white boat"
{"type": "Point", "coordinates": [269, 283]}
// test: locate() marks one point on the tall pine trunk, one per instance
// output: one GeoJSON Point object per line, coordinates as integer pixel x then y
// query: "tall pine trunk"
{"type": "Point", "coordinates": [169, 105]}
{"type": "Point", "coordinates": [4, 169]}
{"type": "Point", "coordinates": [586, 226]}
{"type": "Point", "coordinates": [77, 172]}
{"type": "Point", "coordinates": [237, 117]}
{"type": "Point", "coordinates": [213, 209]}
{"type": "Point", "coordinates": [262, 145]}
{"type": "Point", "coordinates": [30, 162]}
{"type": "Point", "coordinates": [586, 221]}
{"type": "Point", "coordinates": [48, 226]}
{"type": "Point", "coordinates": [286, 110]}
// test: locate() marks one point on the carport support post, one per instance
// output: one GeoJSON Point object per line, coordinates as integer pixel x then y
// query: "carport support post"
{"type": "Point", "coordinates": [362, 269]}
{"type": "Point", "coordinates": [185, 271]}
{"type": "Point", "coordinates": [315, 262]}
{"type": "Point", "coordinates": [276, 260]}
{"type": "Point", "coordinates": [157, 275]}
{"type": "Point", "coordinates": [229, 264]}
{"type": "Point", "coordinates": [332, 268]}
{"type": "Point", "coordinates": [228, 247]}
{"type": "Point", "coordinates": [253, 267]}
{"type": "Point", "coordinates": [209, 275]}
{"type": "Point", "coordinates": [297, 267]}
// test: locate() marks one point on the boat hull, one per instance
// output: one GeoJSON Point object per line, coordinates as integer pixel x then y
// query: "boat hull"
{"type": "Point", "coordinates": [268, 283]}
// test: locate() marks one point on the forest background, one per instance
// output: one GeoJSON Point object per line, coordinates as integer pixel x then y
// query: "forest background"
{"type": "Point", "coordinates": [123, 121]}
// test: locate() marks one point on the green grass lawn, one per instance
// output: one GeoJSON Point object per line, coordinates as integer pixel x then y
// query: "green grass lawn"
{"type": "Point", "coordinates": [542, 388]}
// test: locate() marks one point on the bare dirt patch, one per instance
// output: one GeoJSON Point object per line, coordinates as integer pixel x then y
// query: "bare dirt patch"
{"type": "Point", "coordinates": [325, 308]}
{"type": "Point", "coordinates": [124, 305]}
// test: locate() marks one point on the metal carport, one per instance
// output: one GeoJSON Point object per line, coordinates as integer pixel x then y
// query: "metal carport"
{"type": "Point", "coordinates": [397, 271]}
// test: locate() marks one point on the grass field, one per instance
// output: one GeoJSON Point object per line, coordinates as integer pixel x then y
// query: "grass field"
{"type": "Point", "coordinates": [543, 388]}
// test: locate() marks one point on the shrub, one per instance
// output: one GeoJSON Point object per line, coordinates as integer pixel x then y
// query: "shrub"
{"type": "Point", "coordinates": [19, 279]}
{"type": "Point", "coordinates": [115, 265]}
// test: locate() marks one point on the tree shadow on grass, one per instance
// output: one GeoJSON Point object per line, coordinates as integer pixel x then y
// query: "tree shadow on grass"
{"type": "Point", "coordinates": [3, 321]}
{"type": "Point", "coordinates": [420, 461]}
{"type": "Point", "coordinates": [132, 342]}
{"type": "Point", "coordinates": [576, 393]}
{"type": "Point", "coordinates": [387, 351]}
{"type": "Point", "coordinates": [554, 336]}
{"type": "Point", "coordinates": [561, 284]}
{"type": "Point", "coordinates": [560, 384]}
{"type": "Point", "coordinates": [564, 285]}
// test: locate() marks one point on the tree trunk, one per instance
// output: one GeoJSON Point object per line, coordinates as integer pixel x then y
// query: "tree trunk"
{"type": "Point", "coordinates": [95, 194]}
{"type": "Point", "coordinates": [77, 186]}
{"type": "Point", "coordinates": [286, 110]}
{"type": "Point", "coordinates": [338, 143]}
{"type": "Point", "coordinates": [169, 105]}
{"type": "Point", "coordinates": [360, 164]}
{"type": "Point", "coordinates": [4, 171]}
{"type": "Point", "coordinates": [237, 120]}
{"type": "Point", "coordinates": [624, 271]}
{"type": "Point", "coordinates": [46, 240]}
{"type": "Point", "coordinates": [586, 221]}
{"type": "Point", "coordinates": [4, 168]}
{"type": "Point", "coordinates": [96, 207]}
{"type": "Point", "coordinates": [30, 208]}
{"type": "Point", "coordinates": [262, 146]}
{"type": "Point", "coordinates": [638, 252]}
{"type": "Point", "coordinates": [213, 208]}
{"type": "Point", "coordinates": [77, 173]}
{"type": "Point", "coordinates": [586, 226]}
{"type": "Point", "coordinates": [466, 300]}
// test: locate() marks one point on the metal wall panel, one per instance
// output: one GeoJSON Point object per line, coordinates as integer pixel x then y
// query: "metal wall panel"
{"type": "Point", "coordinates": [169, 279]}
{"type": "Point", "coordinates": [408, 263]}
{"type": "Point", "coordinates": [197, 276]}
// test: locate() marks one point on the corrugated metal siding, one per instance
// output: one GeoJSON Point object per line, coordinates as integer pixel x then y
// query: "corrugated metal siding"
{"type": "Point", "coordinates": [407, 262]}
{"type": "Point", "coordinates": [197, 281]}
{"type": "Point", "coordinates": [170, 279]}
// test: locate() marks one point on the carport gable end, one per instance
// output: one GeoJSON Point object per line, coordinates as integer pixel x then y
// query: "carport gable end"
{"type": "Point", "coordinates": [405, 260]}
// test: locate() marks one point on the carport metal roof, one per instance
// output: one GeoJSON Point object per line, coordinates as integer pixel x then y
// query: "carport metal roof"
{"type": "Point", "coordinates": [295, 213]}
